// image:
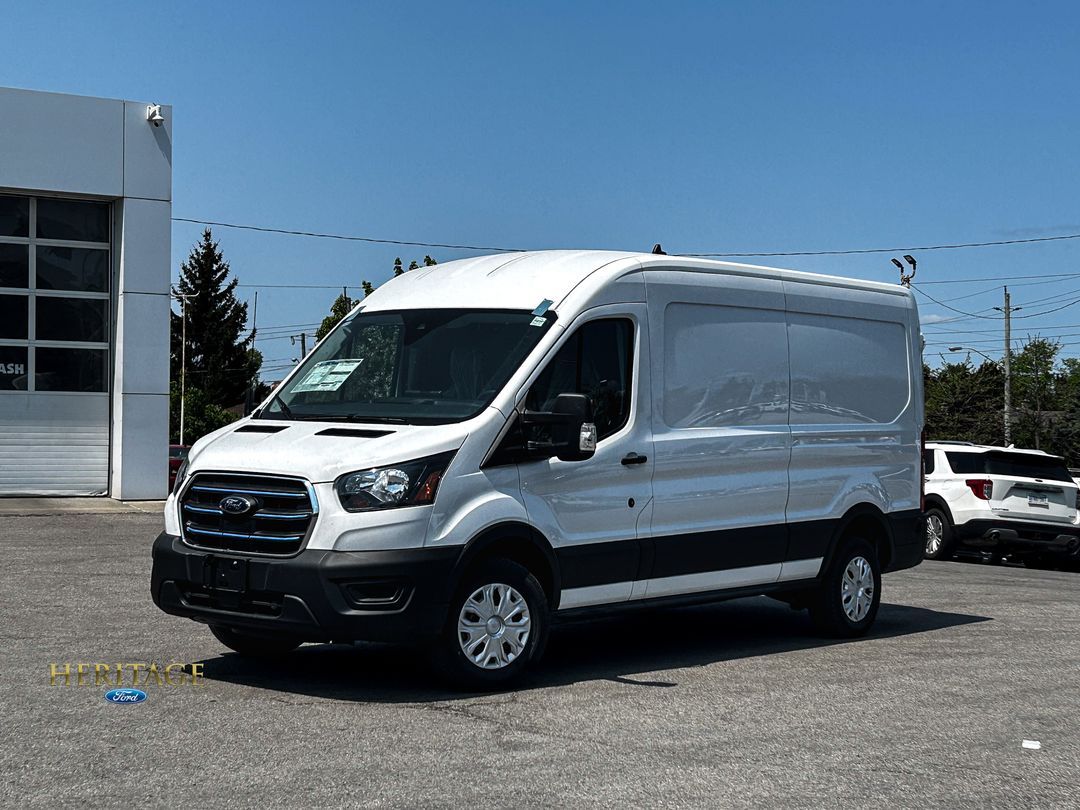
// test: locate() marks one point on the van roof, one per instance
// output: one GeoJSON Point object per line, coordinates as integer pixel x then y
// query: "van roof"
{"type": "Point", "coordinates": [524, 280]}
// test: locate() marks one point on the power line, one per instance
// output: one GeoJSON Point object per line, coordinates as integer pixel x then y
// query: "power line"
{"type": "Point", "coordinates": [297, 286]}
{"type": "Point", "coordinates": [345, 237]}
{"type": "Point", "coordinates": [1047, 311]}
{"type": "Point", "coordinates": [957, 246]}
{"type": "Point", "coordinates": [500, 249]}
{"type": "Point", "coordinates": [953, 309]}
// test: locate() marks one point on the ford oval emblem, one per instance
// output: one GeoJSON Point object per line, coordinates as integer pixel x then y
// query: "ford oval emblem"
{"type": "Point", "coordinates": [237, 505]}
{"type": "Point", "coordinates": [125, 696]}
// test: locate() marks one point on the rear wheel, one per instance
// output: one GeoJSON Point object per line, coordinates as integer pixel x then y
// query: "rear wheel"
{"type": "Point", "coordinates": [939, 539]}
{"type": "Point", "coordinates": [254, 646]}
{"type": "Point", "coordinates": [846, 603]}
{"type": "Point", "coordinates": [496, 626]}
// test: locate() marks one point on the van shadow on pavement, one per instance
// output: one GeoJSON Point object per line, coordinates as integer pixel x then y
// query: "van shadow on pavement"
{"type": "Point", "coordinates": [655, 643]}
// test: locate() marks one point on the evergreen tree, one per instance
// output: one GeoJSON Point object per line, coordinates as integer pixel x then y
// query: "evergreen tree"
{"type": "Point", "coordinates": [220, 360]}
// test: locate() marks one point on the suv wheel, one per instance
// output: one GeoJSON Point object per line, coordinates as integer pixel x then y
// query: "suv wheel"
{"type": "Point", "coordinates": [496, 626]}
{"type": "Point", "coordinates": [847, 600]}
{"type": "Point", "coordinates": [939, 539]}
{"type": "Point", "coordinates": [252, 645]}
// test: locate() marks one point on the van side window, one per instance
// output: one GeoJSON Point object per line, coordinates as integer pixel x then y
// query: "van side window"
{"type": "Point", "coordinates": [595, 361]}
{"type": "Point", "coordinates": [846, 370]}
{"type": "Point", "coordinates": [724, 365]}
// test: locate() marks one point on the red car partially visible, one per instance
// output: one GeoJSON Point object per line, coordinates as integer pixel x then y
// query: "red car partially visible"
{"type": "Point", "coordinates": [177, 455]}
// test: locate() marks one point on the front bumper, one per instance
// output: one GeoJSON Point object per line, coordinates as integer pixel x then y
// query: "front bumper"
{"type": "Point", "coordinates": [1016, 536]}
{"type": "Point", "coordinates": [316, 595]}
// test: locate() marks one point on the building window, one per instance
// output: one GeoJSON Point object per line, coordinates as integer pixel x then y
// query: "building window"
{"type": "Point", "coordinates": [55, 281]}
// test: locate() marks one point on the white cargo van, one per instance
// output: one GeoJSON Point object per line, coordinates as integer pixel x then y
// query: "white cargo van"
{"type": "Point", "coordinates": [485, 447]}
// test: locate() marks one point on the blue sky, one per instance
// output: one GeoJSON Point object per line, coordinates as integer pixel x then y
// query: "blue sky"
{"type": "Point", "coordinates": [709, 127]}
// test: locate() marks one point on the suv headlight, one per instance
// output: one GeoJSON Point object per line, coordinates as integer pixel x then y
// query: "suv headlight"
{"type": "Point", "coordinates": [413, 483]}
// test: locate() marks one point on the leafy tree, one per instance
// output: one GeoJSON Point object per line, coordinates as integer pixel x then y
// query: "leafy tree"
{"type": "Point", "coordinates": [339, 309]}
{"type": "Point", "coordinates": [1036, 398]}
{"type": "Point", "coordinates": [964, 403]}
{"type": "Point", "coordinates": [220, 362]}
{"type": "Point", "coordinates": [201, 416]}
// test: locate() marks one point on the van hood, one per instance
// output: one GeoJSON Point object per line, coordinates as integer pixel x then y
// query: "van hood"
{"type": "Point", "coordinates": [319, 451]}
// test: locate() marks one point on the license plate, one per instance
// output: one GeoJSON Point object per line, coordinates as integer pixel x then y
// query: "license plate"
{"type": "Point", "coordinates": [229, 575]}
{"type": "Point", "coordinates": [1039, 500]}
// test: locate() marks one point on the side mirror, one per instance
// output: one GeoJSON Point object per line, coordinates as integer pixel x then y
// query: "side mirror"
{"type": "Point", "coordinates": [566, 431]}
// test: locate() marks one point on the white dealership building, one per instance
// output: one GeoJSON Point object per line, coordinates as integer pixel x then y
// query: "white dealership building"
{"type": "Point", "coordinates": [85, 207]}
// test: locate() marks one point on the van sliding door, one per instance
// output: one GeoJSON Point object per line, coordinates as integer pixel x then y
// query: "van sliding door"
{"type": "Point", "coordinates": [721, 439]}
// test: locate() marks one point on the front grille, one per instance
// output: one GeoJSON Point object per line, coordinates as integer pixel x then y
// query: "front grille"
{"type": "Point", "coordinates": [277, 519]}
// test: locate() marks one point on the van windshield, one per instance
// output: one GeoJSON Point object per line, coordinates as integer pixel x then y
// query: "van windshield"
{"type": "Point", "coordinates": [425, 366]}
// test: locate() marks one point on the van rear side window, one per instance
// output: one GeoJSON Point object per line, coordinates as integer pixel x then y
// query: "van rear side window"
{"type": "Point", "coordinates": [846, 370]}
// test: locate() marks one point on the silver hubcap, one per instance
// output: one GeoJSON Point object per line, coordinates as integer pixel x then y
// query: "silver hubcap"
{"type": "Point", "coordinates": [857, 589]}
{"type": "Point", "coordinates": [934, 534]}
{"type": "Point", "coordinates": [493, 626]}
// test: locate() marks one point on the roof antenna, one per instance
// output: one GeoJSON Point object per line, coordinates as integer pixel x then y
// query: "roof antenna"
{"type": "Point", "coordinates": [658, 251]}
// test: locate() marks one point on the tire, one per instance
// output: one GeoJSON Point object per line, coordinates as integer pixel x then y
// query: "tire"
{"type": "Point", "coordinates": [253, 646]}
{"type": "Point", "coordinates": [841, 608]}
{"type": "Point", "coordinates": [502, 651]}
{"type": "Point", "coordinates": [939, 535]}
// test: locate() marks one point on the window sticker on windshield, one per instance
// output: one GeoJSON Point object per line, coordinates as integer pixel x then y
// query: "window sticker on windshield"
{"type": "Point", "coordinates": [327, 375]}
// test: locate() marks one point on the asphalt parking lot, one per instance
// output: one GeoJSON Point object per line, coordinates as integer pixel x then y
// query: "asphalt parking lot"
{"type": "Point", "coordinates": [731, 705]}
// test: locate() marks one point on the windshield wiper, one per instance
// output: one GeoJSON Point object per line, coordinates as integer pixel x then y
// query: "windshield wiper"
{"type": "Point", "coordinates": [378, 420]}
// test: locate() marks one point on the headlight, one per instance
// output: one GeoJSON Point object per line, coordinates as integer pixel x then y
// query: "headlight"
{"type": "Point", "coordinates": [181, 474]}
{"type": "Point", "coordinates": [413, 483]}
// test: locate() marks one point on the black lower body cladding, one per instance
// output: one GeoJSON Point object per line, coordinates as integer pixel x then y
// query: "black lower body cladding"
{"type": "Point", "coordinates": [316, 595]}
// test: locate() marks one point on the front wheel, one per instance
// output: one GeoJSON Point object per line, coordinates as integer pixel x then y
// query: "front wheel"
{"type": "Point", "coordinates": [253, 646]}
{"type": "Point", "coordinates": [496, 626]}
{"type": "Point", "coordinates": [846, 603]}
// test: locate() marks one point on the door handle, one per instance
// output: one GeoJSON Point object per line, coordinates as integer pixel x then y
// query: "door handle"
{"type": "Point", "coordinates": [634, 458]}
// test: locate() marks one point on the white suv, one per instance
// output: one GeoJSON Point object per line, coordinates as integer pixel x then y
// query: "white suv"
{"type": "Point", "coordinates": [1008, 501]}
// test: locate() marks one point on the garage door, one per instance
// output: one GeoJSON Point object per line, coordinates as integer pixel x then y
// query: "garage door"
{"type": "Point", "coordinates": [55, 281]}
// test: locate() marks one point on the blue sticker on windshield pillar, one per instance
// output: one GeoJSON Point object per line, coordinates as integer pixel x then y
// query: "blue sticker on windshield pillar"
{"type": "Point", "coordinates": [327, 375]}
{"type": "Point", "coordinates": [538, 313]}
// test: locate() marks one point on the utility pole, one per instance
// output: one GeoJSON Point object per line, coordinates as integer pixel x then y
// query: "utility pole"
{"type": "Point", "coordinates": [303, 343]}
{"type": "Point", "coordinates": [249, 400]}
{"type": "Point", "coordinates": [183, 299]}
{"type": "Point", "coordinates": [1008, 309]}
